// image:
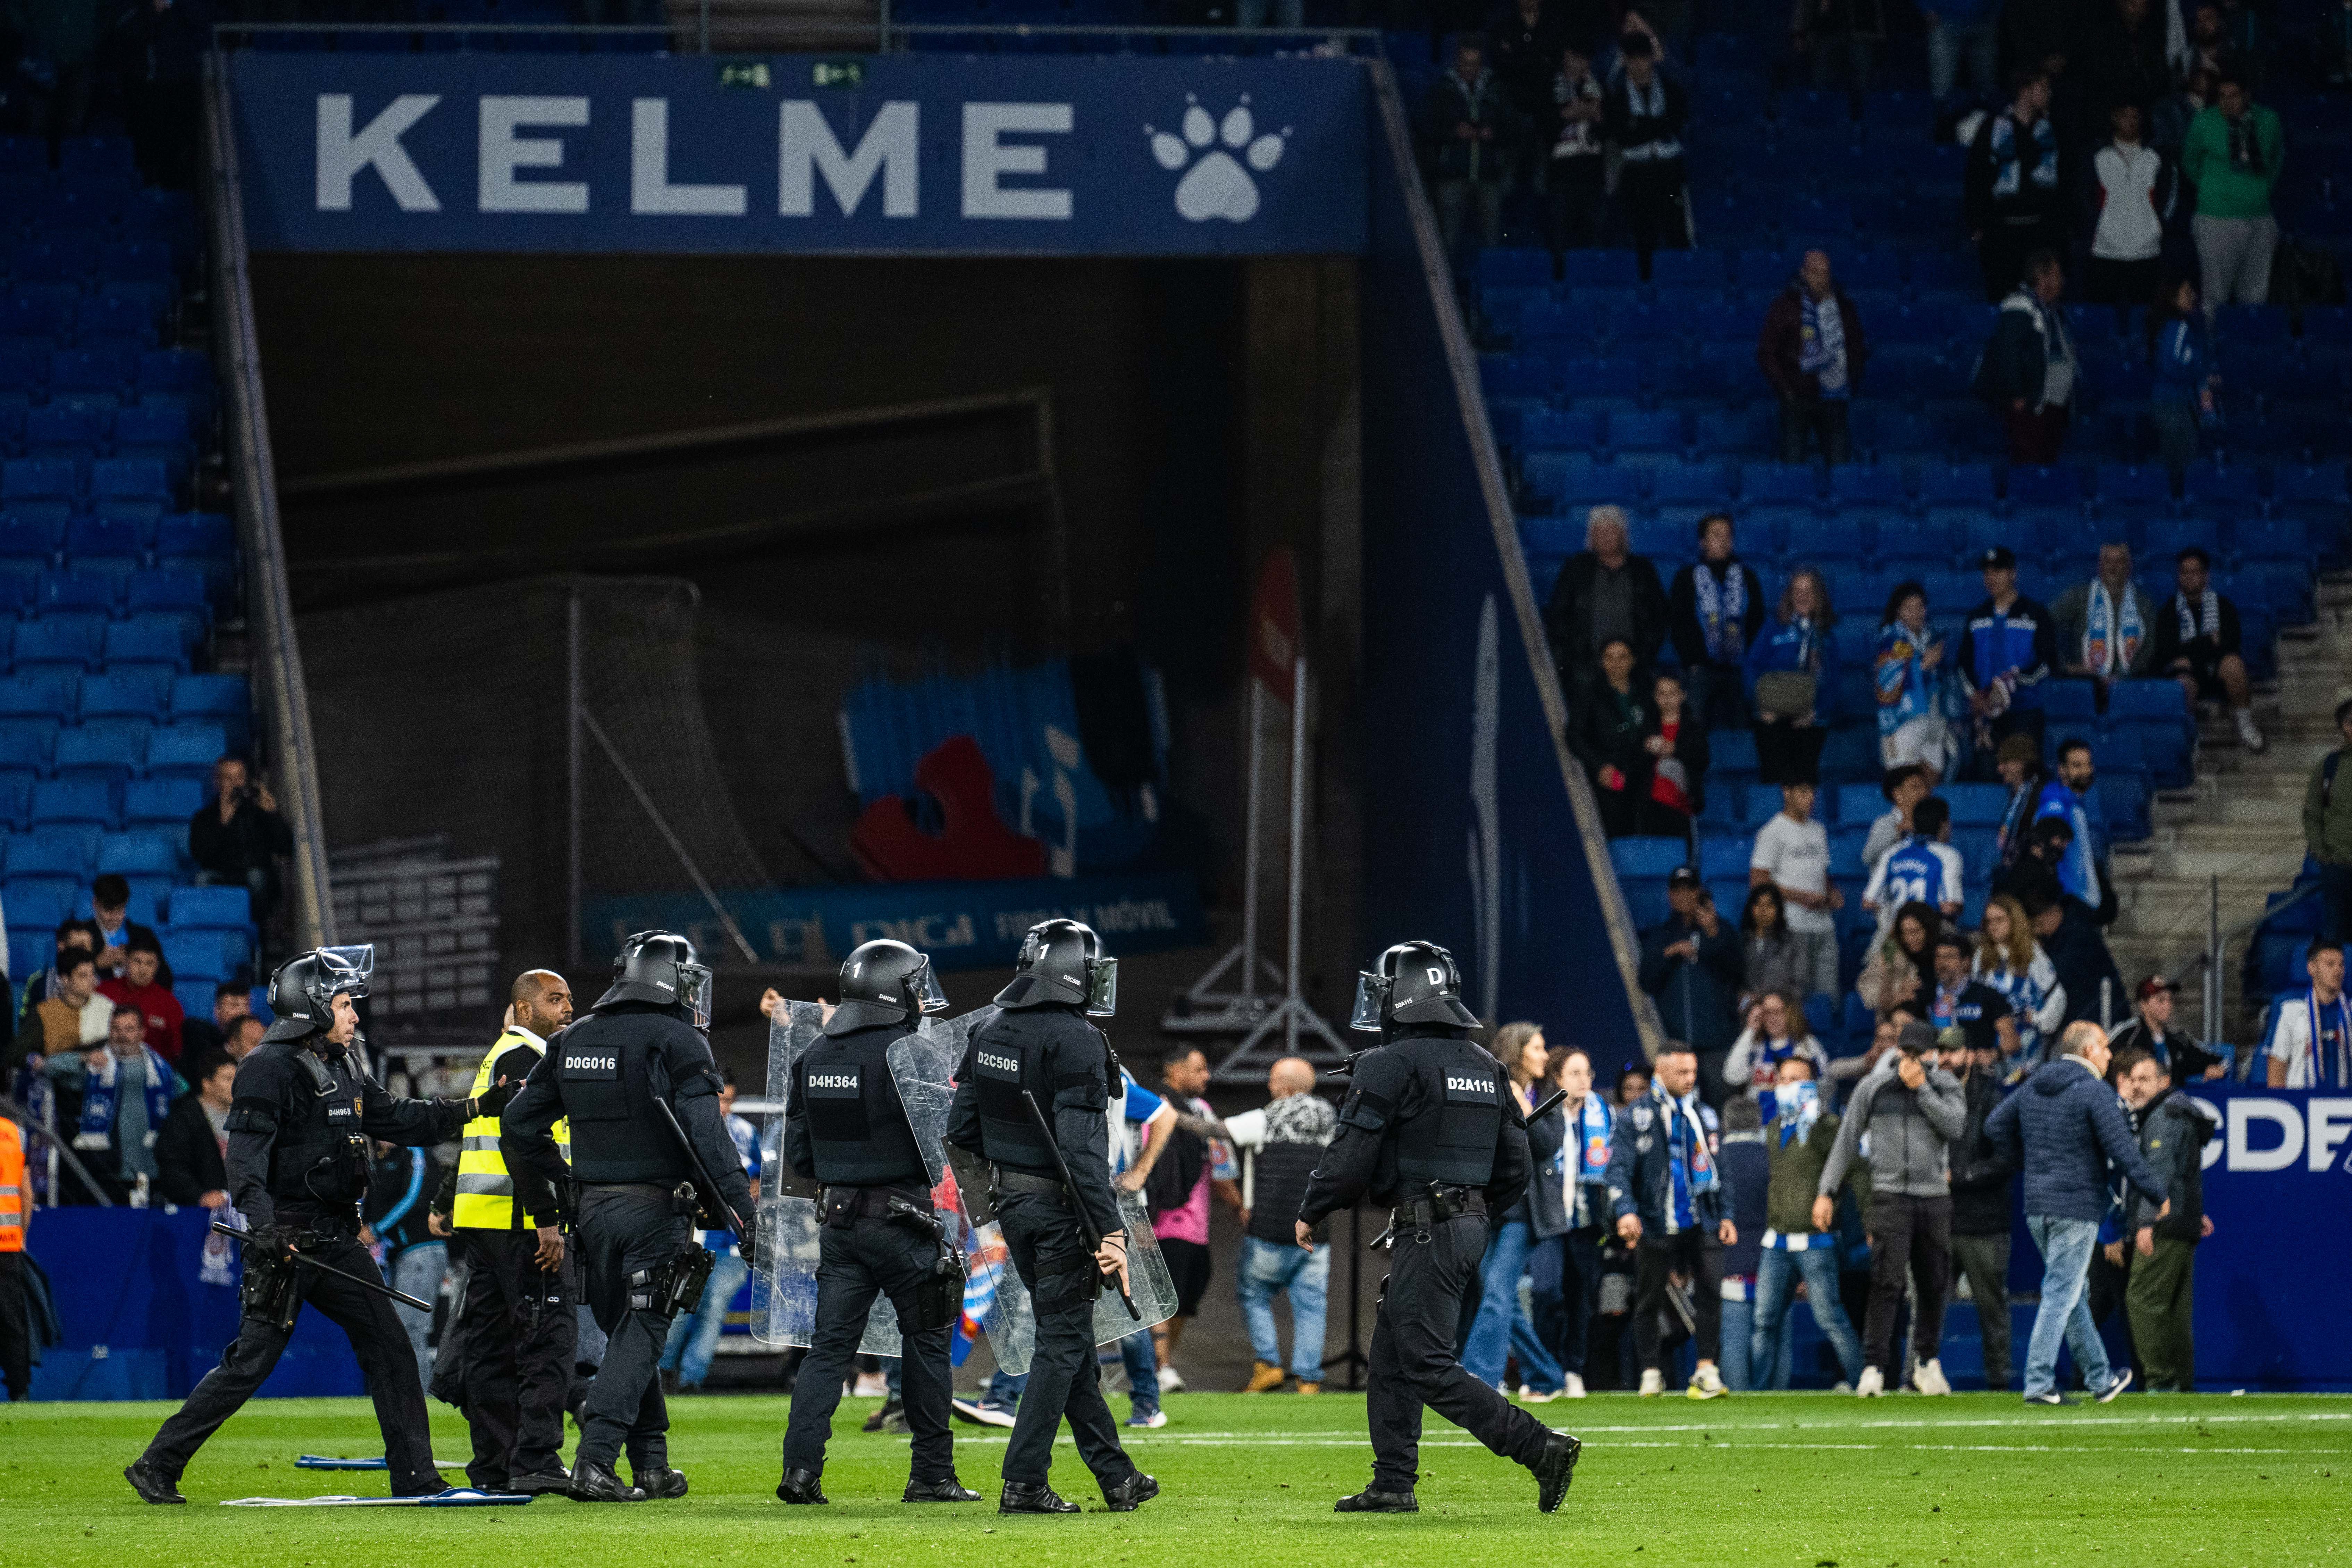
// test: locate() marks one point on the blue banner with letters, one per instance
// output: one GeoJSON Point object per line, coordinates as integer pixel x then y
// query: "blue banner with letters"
{"type": "Point", "coordinates": [1114, 155]}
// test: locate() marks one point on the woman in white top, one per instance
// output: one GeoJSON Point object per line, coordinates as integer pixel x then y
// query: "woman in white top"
{"type": "Point", "coordinates": [2011, 961]}
{"type": "Point", "coordinates": [1776, 1031]}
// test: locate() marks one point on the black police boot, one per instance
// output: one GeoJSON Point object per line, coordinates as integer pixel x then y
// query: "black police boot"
{"type": "Point", "coordinates": [891, 1417]}
{"type": "Point", "coordinates": [658, 1481]}
{"type": "Point", "coordinates": [151, 1484]}
{"type": "Point", "coordinates": [1554, 1468]}
{"type": "Point", "coordinates": [1131, 1493]}
{"type": "Point", "coordinates": [593, 1482]}
{"type": "Point", "coordinates": [1021, 1497]}
{"type": "Point", "coordinates": [540, 1482]}
{"type": "Point", "coordinates": [948, 1490]}
{"type": "Point", "coordinates": [800, 1485]}
{"type": "Point", "coordinates": [431, 1485]}
{"type": "Point", "coordinates": [1371, 1501]}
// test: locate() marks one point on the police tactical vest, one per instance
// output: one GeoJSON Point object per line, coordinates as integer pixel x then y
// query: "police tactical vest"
{"type": "Point", "coordinates": [320, 1159]}
{"type": "Point", "coordinates": [603, 1071]}
{"type": "Point", "coordinates": [486, 1194]}
{"type": "Point", "coordinates": [1452, 1118]}
{"type": "Point", "coordinates": [858, 1134]}
{"type": "Point", "coordinates": [1028, 1049]}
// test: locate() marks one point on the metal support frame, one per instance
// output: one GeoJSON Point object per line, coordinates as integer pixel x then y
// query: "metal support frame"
{"type": "Point", "coordinates": [661, 824]}
{"type": "Point", "coordinates": [1208, 1010]}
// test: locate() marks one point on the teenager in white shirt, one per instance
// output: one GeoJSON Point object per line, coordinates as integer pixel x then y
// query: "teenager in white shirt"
{"type": "Point", "coordinates": [1793, 853]}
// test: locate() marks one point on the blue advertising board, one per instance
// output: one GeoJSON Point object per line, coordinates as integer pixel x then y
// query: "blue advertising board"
{"type": "Point", "coordinates": [1071, 155]}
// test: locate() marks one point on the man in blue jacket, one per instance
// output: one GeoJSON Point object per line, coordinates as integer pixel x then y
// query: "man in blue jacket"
{"type": "Point", "coordinates": [2007, 652]}
{"type": "Point", "coordinates": [1672, 1207]}
{"type": "Point", "coordinates": [2065, 1128]}
{"type": "Point", "coordinates": [1691, 963]}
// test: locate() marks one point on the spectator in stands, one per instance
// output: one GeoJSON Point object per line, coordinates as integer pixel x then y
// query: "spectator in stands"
{"type": "Point", "coordinates": [1605, 594]}
{"type": "Point", "coordinates": [163, 45]}
{"type": "Point", "coordinates": [2073, 797]}
{"type": "Point", "coordinates": [2124, 66]}
{"type": "Point", "coordinates": [1565, 1298]}
{"type": "Point", "coordinates": [2327, 831]}
{"type": "Point", "coordinates": [74, 933]}
{"type": "Point", "coordinates": [1776, 1032]}
{"type": "Point", "coordinates": [2233, 155]}
{"type": "Point", "coordinates": [2161, 1296]}
{"type": "Point", "coordinates": [1792, 856]}
{"type": "Point", "coordinates": [201, 1037]}
{"type": "Point", "coordinates": [1905, 786]}
{"type": "Point", "coordinates": [60, 1024]}
{"type": "Point", "coordinates": [1961, 30]}
{"type": "Point", "coordinates": [1470, 135]}
{"type": "Point", "coordinates": [244, 1037]}
{"type": "Point", "coordinates": [1607, 733]}
{"type": "Point", "coordinates": [2017, 762]}
{"type": "Point", "coordinates": [1284, 1148]}
{"type": "Point", "coordinates": [1792, 681]}
{"type": "Point", "coordinates": [1902, 958]}
{"type": "Point", "coordinates": [1674, 748]}
{"type": "Point", "coordinates": [1772, 957]}
{"type": "Point", "coordinates": [1980, 1207]}
{"type": "Point", "coordinates": [2105, 626]}
{"type": "Point", "coordinates": [2310, 1044]}
{"type": "Point", "coordinates": [2150, 1029]}
{"type": "Point", "coordinates": [2015, 207]}
{"type": "Point", "coordinates": [1797, 1143]}
{"type": "Point", "coordinates": [2031, 365]}
{"type": "Point", "coordinates": [1908, 675]}
{"type": "Point", "coordinates": [2170, 119]}
{"type": "Point", "coordinates": [1961, 1001]}
{"type": "Point", "coordinates": [1812, 351]}
{"type": "Point", "coordinates": [235, 837]}
{"type": "Point", "coordinates": [1643, 113]}
{"type": "Point", "coordinates": [1672, 1207]}
{"type": "Point", "coordinates": [2007, 650]}
{"type": "Point", "coordinates": [1714, 612]}
{"type": "Point", "coordinates": [2183, 401]}
{"type": "Point", "coordinates": [1747, 1172]}
{"type": "Point", "coordinates": [1632, 1083]}
{"type": "Point", "coordinates": [2199, 643]}
{"type": "Point", "coordinates": [124, 1091]}
{"type": "Point", "coordinates": [1574, 175]}
{"type": "Point", "coordinates": [141, 984]}
{"type": "Point", "coordinates": [192, 1150]}
{"type": "Point", "coordinates": [1912, 1112]}
{"type": "Point", "coordinates": [1501, 1330]}
{"type": "Point", "coordinates": [2011, 962]}
{"type": "Point", "coordinates": [2063, 1130]}
{"type": "Point", "coordinates": [110, 904]}
{"type": "Point", "coordinates": [2132, 187]}
{"type": "Point", "coordinates": [1923, 869]}
{"type": "Point", "coordinates": [1525, 38]}
{"type": "Point", "coordinates": [2069, 934]}
{"type": "Point", "coordinates": [1690, 963]}
{"type": "Point", "coordinates": [2210, 48]}
{"type": "Point", "coordinates": [1183, 1230]}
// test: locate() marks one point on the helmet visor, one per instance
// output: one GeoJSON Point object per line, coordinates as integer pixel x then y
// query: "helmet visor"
{"type": "Point", "coordinates": [1102, 988]}
{"type": "Point", "coordinates": [924, 985]}
{"type": "Point", "coordinates": [1371, 991]}
{"type": "Point", "coordinates": [344, 970]}
{"type": "Point", "coordinates": [694, 993]}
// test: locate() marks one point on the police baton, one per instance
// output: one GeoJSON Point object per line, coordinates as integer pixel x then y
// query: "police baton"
{"type": "Point", "coordinates": [705, 1186]}
{"type": "Point", "coordinates": [1087, 1232]}
{"type": "Point", "coordinates": [306, 1261]}
{"type": "Point", "coordinates": [1544, 1109]}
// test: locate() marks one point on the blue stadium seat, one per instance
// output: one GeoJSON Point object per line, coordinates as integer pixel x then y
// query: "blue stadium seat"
{"type": "Point", "coordinates": [2213, 484]}
{"type": "Point", "coordinates": [149, 642]}
{"type": "Point", "coordinates": [66, 642]}
{"type": "Point", "coordinates": [1600, 269]}
{"type": "Point", "coordinates": [2270, 539]}
{"type": "Point", "coordinates": [1826, 539]}
{"type": "Point", "coordinates": [222, 697]}
{"type": "Point", "coordinates": [102, 536]}
{"type": "Point", "coordinates": [150, 802]}
{"type": "Point", "coordinates": [1746, 431]}
{"type": "Point", "coordinates": [1856, 803]}
{"type": "Point", "coordinates": [1782, 483]}
{"type": "Point", "coordinates": [193, 535]}
{"type": "Point", "coordinates": [2054, 486]}
{"type": "Point", "coordinates": [109, 751]}
{"type": "Point", "coordinates": [28, 744]}
{"type": "Point", "coordinates": [168, 590]}
{"type": "Point", "coordinates": [1576, 480]}
{"type": "Point", "coordinates": [1519, 376]}
{"type": "Point", "coordinates": [38, 905]}
{"type": "Point", "coordinates": [1854, 484]}
{"type": "Point", "coordinates": [117, 318]}
{"type": "Point", "coordinates": [1647, 857]}
{"type": "Point", "coordinates": [65, 428]}
{"type": "Point", "coordinates": [133, 694]}
{"type": "Point", "coordinates": [16, 801]}
{"type": "Point", "coordinates": [39, 479]}
{"type": "Point", "coordinates": [101, 370]}
{"type": "Point", "coordinates": [1962, 484]}
{"type": "Point", "coordinates": [1704, 482]}
{"type": "Point", "coordinates": [173, 370]}
{"type": "Point", "coordinates": [1731, 752]}
{"type": "Point", "coordinates": [1979, 805]}
{"type": "Point", "coordinates": [186, 752]}
{"type": "Point", "coordinates": [2068, 701]}
{"type": "Point", "coordinates": [130, 479]}
{"type": "Point", "coordinates": [1660, 430]}
{"type": "Point", "coordinates": [1724, 858]}
{"type": "Point", "coordinates": [142, 852]}
{"type": "Point", "coordinates": [196, 955]}
{"type": "Point", "coordinates": [1540, 430]}
{"type": "Point", "coordinates": [1664, 539]}
{"type": "Point", "coordinates": [1509, 268]}
{"type": "Point", "coordinates": [1689, 268]}
{"type": "Point", "coordinates": [30, 537]}
{"type": "Point", "coordinates": [211, 909]}
{"type": "Point", "coordinates": [1869, 268]}
{"type": "Point", "coordinates": [73, 801]}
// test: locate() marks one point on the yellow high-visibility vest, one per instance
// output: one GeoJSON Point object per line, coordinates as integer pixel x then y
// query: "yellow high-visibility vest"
{"type": "Point", "coordinates": [486, 1194]}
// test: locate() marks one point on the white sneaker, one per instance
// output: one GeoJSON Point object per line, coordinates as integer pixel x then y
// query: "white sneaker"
{"type": "Point", "coordinates": [872, 1385]}
{"type": "Point", "coordinates": [1536, 1396]}
{"type": "Point", "coordinates": [1575, 1389]}
{"type": "Point", "coordinates": [2250, 734]}
{"type": "Point", "coordinates": [1873, 1383]}
{"type": "Point", "coordinates": [1927, 1377]}
{"type": "Point", "coordinates": [1707, 1382]}
{"type": "Point", "coordinates": [1170, 1380]}
{"type": "Point", "coordinates": [1653, 1383]}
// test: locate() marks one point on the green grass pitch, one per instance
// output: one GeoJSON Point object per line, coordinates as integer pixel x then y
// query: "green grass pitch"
{"type": "Point", "coordinates": [1801, 1480]}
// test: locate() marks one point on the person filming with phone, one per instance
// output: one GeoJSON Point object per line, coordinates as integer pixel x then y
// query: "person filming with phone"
{"type": "Point", "coordinates": [235, 837]}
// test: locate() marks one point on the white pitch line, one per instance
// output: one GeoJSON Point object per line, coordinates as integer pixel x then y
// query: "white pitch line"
{"type": "Point", "coordinates": [2041, 1422]}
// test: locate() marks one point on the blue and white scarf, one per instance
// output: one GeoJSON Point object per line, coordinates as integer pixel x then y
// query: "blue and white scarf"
{"type": "Point", "coordinates": [1722, 609]}
{"type": "Point", "coordinates": [99, 1100]}
{"type": "Point", "coordinates": [2205, 623]}
{"type": "Point", "coordinates": [2009, 158]}
{"type": "Point", "coordinates": [2078, 873]}
{"type": "Point", "coordinates": [1907, 686]}
{"type": "Point", "coordinates": [1690, 1164]}
{"type": "Point", "coordinates": [1584, 1157]}
{"type": "Point", "coordinates": [2318, 1075]}
{"type": "Point", "coordinates": [2111, 633]}
{"type": "Point", "coordinates": [1800, 1108]}
{"type": "Point", "coordinates": [1820, 339]}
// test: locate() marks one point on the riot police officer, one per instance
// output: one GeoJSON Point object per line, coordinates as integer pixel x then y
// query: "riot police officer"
{"type": "Point", "coordinates": [302, 1112]}
{"type": "Point", "coordinates": [635, 1080]}
{"type": "Point", "coordinates": [1040, 1043]}
{"type": "Point", "coordinates": [1431, 1128]}
{"type": "Point", "coordinates": [845, 1127]}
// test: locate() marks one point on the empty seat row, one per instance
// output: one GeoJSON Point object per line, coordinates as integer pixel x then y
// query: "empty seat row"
{"type": "Point", "coordinates": [146, 692]}
{"type": "Point", "coordinates": [40, 537]}
{"type": "Point", "coordinates": [33, 363]}
{"type": "Point", "coordinates": [150, 803]}
{"type": "Point", "coordinates": [28, 589]}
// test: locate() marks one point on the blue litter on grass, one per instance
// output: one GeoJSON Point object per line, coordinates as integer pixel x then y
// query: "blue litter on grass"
{"type": "Point", "coordinates": [330, 1462]}
{"type": "Point", "coordinates": [455, 1497]}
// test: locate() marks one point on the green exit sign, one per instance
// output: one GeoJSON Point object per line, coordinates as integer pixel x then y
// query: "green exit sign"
{"type": "Point", "coordinates": [838, 73]}
{"type": "Point", "coordinates": [748, 74]}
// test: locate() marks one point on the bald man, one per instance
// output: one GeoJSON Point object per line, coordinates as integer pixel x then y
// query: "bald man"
{"type": "Point", "coordinates": [1281, 1146]}
{"type": "Point", "coordinates": [508, 1358]}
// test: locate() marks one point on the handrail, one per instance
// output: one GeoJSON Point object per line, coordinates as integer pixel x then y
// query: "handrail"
{"type": "Point", "coordinates": [277, 657]}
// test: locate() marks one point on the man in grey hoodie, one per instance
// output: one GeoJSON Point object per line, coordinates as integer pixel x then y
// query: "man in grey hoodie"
{"type": "Point", "coordinates": [1913, 1113]}
{"type": "Point", "coordinates": [2065, 1127]}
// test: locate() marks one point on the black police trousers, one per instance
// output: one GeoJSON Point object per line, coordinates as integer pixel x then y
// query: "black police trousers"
{"type": "Point", "coordinates": [15, 1328]}
{"type": "Point", "coordinates": [516, 1334]}
{"type": "Point", "coordinates": [379, 1338]}
{"type": "Point", "coordinates": [1065, 1378]}
{"type": "Point", "coordinates": [622, 1229]}
{"type": "Point", "coordinates": [873, 1256]}
{"type": "Point", "coordinates": [1412, 1359]}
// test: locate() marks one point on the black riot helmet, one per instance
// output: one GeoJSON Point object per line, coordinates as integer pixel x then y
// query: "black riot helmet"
{"type": "Point", "coordinates": [885, 982]}
{"type": "Point", "coordinates": [1413, 983]}
{"type": "Point", "coordinates": [303, 991]}
{"type": "Point", "coordinates": [1062, 963]}
{"type": "Point", "coordinates": [658, 966]}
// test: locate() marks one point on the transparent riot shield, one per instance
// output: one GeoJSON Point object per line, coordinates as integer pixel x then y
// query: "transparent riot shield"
{"type": "Point", "coordinates": [783, 1287]}
{"type": "Point", "coordinates": [923, 1067]}
{"type": "Point", "coordinates": [1147, 1280]}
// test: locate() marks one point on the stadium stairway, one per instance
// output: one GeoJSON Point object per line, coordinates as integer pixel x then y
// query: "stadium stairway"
{"type": "Point", "coordinates": [2240, 821]}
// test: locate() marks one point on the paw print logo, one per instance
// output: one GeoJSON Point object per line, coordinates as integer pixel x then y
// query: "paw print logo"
{"type": "Point", "coordinates": [1216, 185]}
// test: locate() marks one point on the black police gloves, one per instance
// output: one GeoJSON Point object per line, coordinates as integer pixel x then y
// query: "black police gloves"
{"type": "Point", "coordinates": [493, 1100]}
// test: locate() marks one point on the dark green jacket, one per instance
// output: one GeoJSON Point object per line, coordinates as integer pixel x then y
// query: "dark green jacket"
{"type": "Point", "coordinates": [2172, 1136]}
{"type": "Point", "coordinates": [1797, 1173]}
{"type": "Point", "coordinates": [2327, 810]}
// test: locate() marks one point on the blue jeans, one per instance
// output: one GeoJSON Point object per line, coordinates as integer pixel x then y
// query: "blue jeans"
{"type": "Point", "coordinates": [418, 1271]}
{"type": "Point", "coordinates": [1142, 1364]}
{"type": "Point", "coordinates": [1501, 1328]}
{"type": "Point", "coordinates": [1269, 1269]}
{"type": "Point", "coordinates": [1948, 42]}
{"type": "Point", "coordinates": [1776, 1288]}
{"type": "Point", "coordinates": [2066, 1247]}
{"type": "Point", "coordinates": [694, 1339]}
{"type": "Point", "coordinates": [1004, 1391]}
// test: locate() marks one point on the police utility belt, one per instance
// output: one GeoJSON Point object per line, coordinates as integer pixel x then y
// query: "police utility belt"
{"type": "Point", "coordinates": [1437, 1206]}
{"type": "Point", "coordinates": [1006, 1179]}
